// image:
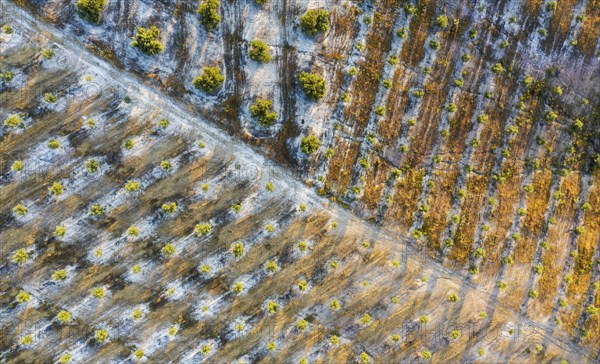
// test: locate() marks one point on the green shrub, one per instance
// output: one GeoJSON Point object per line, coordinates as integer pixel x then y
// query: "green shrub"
{"type": "Point", "coordinates": [315, 21]}
{"type": "Point", "coordinates": [23, 297]}
{"type": "Point", "coordinates": [551, 6]}
{"type": "Point", "coordinates": [53, 144]}
{"type": "Point", "coordinates": [101, 335]}
{"type": "Point", "coordinates": [260, 51]}
{"type": "Point", "coordinates": [60, 231]}
{"type": "Point", "coordinates": [455, 334]}
{"type": "Point", "coordinates": [393, 60]}
{"type": "Point", "coordinates": [133, 231]}
{"type": "Point", "coordinates": [65, 358]}
{"type": "Point", "coordinates": [335, 305]}
{"type": "Point", "coordinates": [209, 14]}
{"type": "Point", "coordinates": [48, 53]}
{"type": "Point", "coordinates": [132, 186]}
{"type": "Point", "coordinates": [98, 293]}
{"type": "Point", "coordinates": [402, 33]}
{"type": "Point", "coordinates": [453, 297]}
{"type": "Point", "coordinates": [366, 319]}
{"type": "Point", "coordinates": [165, 165]}
{"type": "Point", "coordinates": [90, 10]}
{"type": "Point", "coordinates": [269, 187]}
{"type": "Point", "coordinates": [271, 266]}
{"type": "Point", "coordinates": [314, 85]}
{"type": "Point", "coordinates": [50, 98]}
{"type": "Point", "coordinates": [63, 316]}
{"type": "Point", "coordinates": [169, 207]}
{"type": "Point", "coordinates": [163, 123]}
{"type": "Point", "coordinates": [96, 210]}
{"type": "Point", "coordinates": [533, 294]}
{"type": "Point", "coordinates": [498, 69]}
{"type": "Point", "coordinates": [56, 189]}
{"type": "Point", "coordinates": [272, 307]}
{"type": "Point", "coordinates": [91, 166]}
{"type": "Point", "coordinates": [146, 40]}
{"type": "Point", "coordinates": [7, 29]}
{"type": "Point", "coordinates": [434, 44]}
{"type": "Point", "coordinates": [16, 166]}
{"type": "Point", "coordinates": [442, 21]}
{"type": "Point", "coordinates": [262, 110]}
{"type": "Point", "coordinates": [202, 229]}
{"type": "Point", "coordinates": [210, 79]}
{"type": "Point", "coordinates": [237, 250]}
{"type": "Point", "coordinates": [238, 287]}
{"type": "Point", "coordinates": [364, 357]}
{"type": "Point", "coordinates": [129, 144]}
{"type": "Point", "coordinates": [138, 354]}
{"type": "Point", "coordinates": [20, 210]}
{"type": "Point", "coordinates": [13, 121]}
{"type": "Point", "coordinates": [459, 82]}
{"type": "Point", "coordinates": [310, 144]}
{"type": "Point", "coordinates": [20, 256]}
{"type": "Point", "coordinates": [59, 275]}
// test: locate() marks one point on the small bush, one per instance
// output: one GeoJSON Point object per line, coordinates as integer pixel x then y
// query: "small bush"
{"type": "Point", "coordinates": [498, 69]}
{"type": "Point", "coordinates": [98, 293]}
{"type": "Point", "coordinates": [53, 144]}
{"type": "Point", "coordinates": [60, 231]}
{"type": "Point", "coordinates": [260, 51]}
{"type": "Point", "coordinates": [551, 6]}
{"type": "Point", "coordinates": [146, 40]}
{"type": "Point", "coordinates": [210, 79]}
{"type": "Point", "coordinates": [165, 165]}
{"type": "Point", "coordinates": [63, 316]}
{"type": "Point", "coordinates": [13, 121]}
{"type": "Point", "coordinates": [20, 210]}
{"type": "Point", "coordinates": [335, 305]}
{"type": "Point", "coordinates": [364, 357]}
{"type": "Point", "coordinates": [272, 307]}
{"type": "Point", "coordinates": [137, 314]}
{"type": "Point", "coordinates": [315, 21]}
{"type": "Point", "coordinates": [26, 340]}
{"type": "Point", "coordinates": [138, 354]}
{"type": "Point", "coordinates": [434, 44]}
{"type": "Point", "coordinates": [455, 334]}
{"type": "Point", "coordinates": [48, 53]}
{"type": "Point", "coordinates": [163, 123]}
{"type": "Point", "coordinates": [56, 189]}
{"type": "Point", "coordinates": [310, 144]}
{"type": "Point", "coordinates": [133, 231]}
{"type": "Point", "coordinates": [314, 85]}
{"type": "Point", "coordinates": [442, 21]}
{"type": "Point", "coordinates": [262, 110]}
{"type": "Point", "coordinates": [402, 33]}
{"type": "Point", "coordinates": [59, 275]}
{"type": "Point", "coordinates": [91, 166]}
{"type": "Point", "coordinates": [202, 229]}
{"type": "Point", "coordinates": [23, 297]}
{"type": "Point", "coordinates": [90, 10]}
{"type": "Point", "coordinates": [209, 14]}
{"type": "Point", "coordinates": [16, 166]}
{"type": "Point", "coordinates": [50, 98]}
{"type": "Point", "coordinates": [65, 358]}
{"type": "Point", "coordinates": [96, 210]}
{"type": "Point", "coordinates": [366, 319]}
{"type": "Point", "coordinates": [132, 186]}
{"type": "Point", "coordinates": [169, 207]}
{"type": "Point", "coordinates": [269, 187]}
{"type": "Point", "coordinates": [238, 287]}
{"type": "Point", "coordinates": [101, 335]}
{"type": "Point", "coordinates": [237, 250]}
{"type": "Point", "coordinates": [453, 297]}
{"type": "Point", "coordinates": [271, 266]}
{"type": "Point", "coordinates": [129, 144]}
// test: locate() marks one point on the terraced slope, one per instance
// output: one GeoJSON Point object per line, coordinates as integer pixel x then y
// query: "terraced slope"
{"type": "Point", "coordinates": [138, 256]}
